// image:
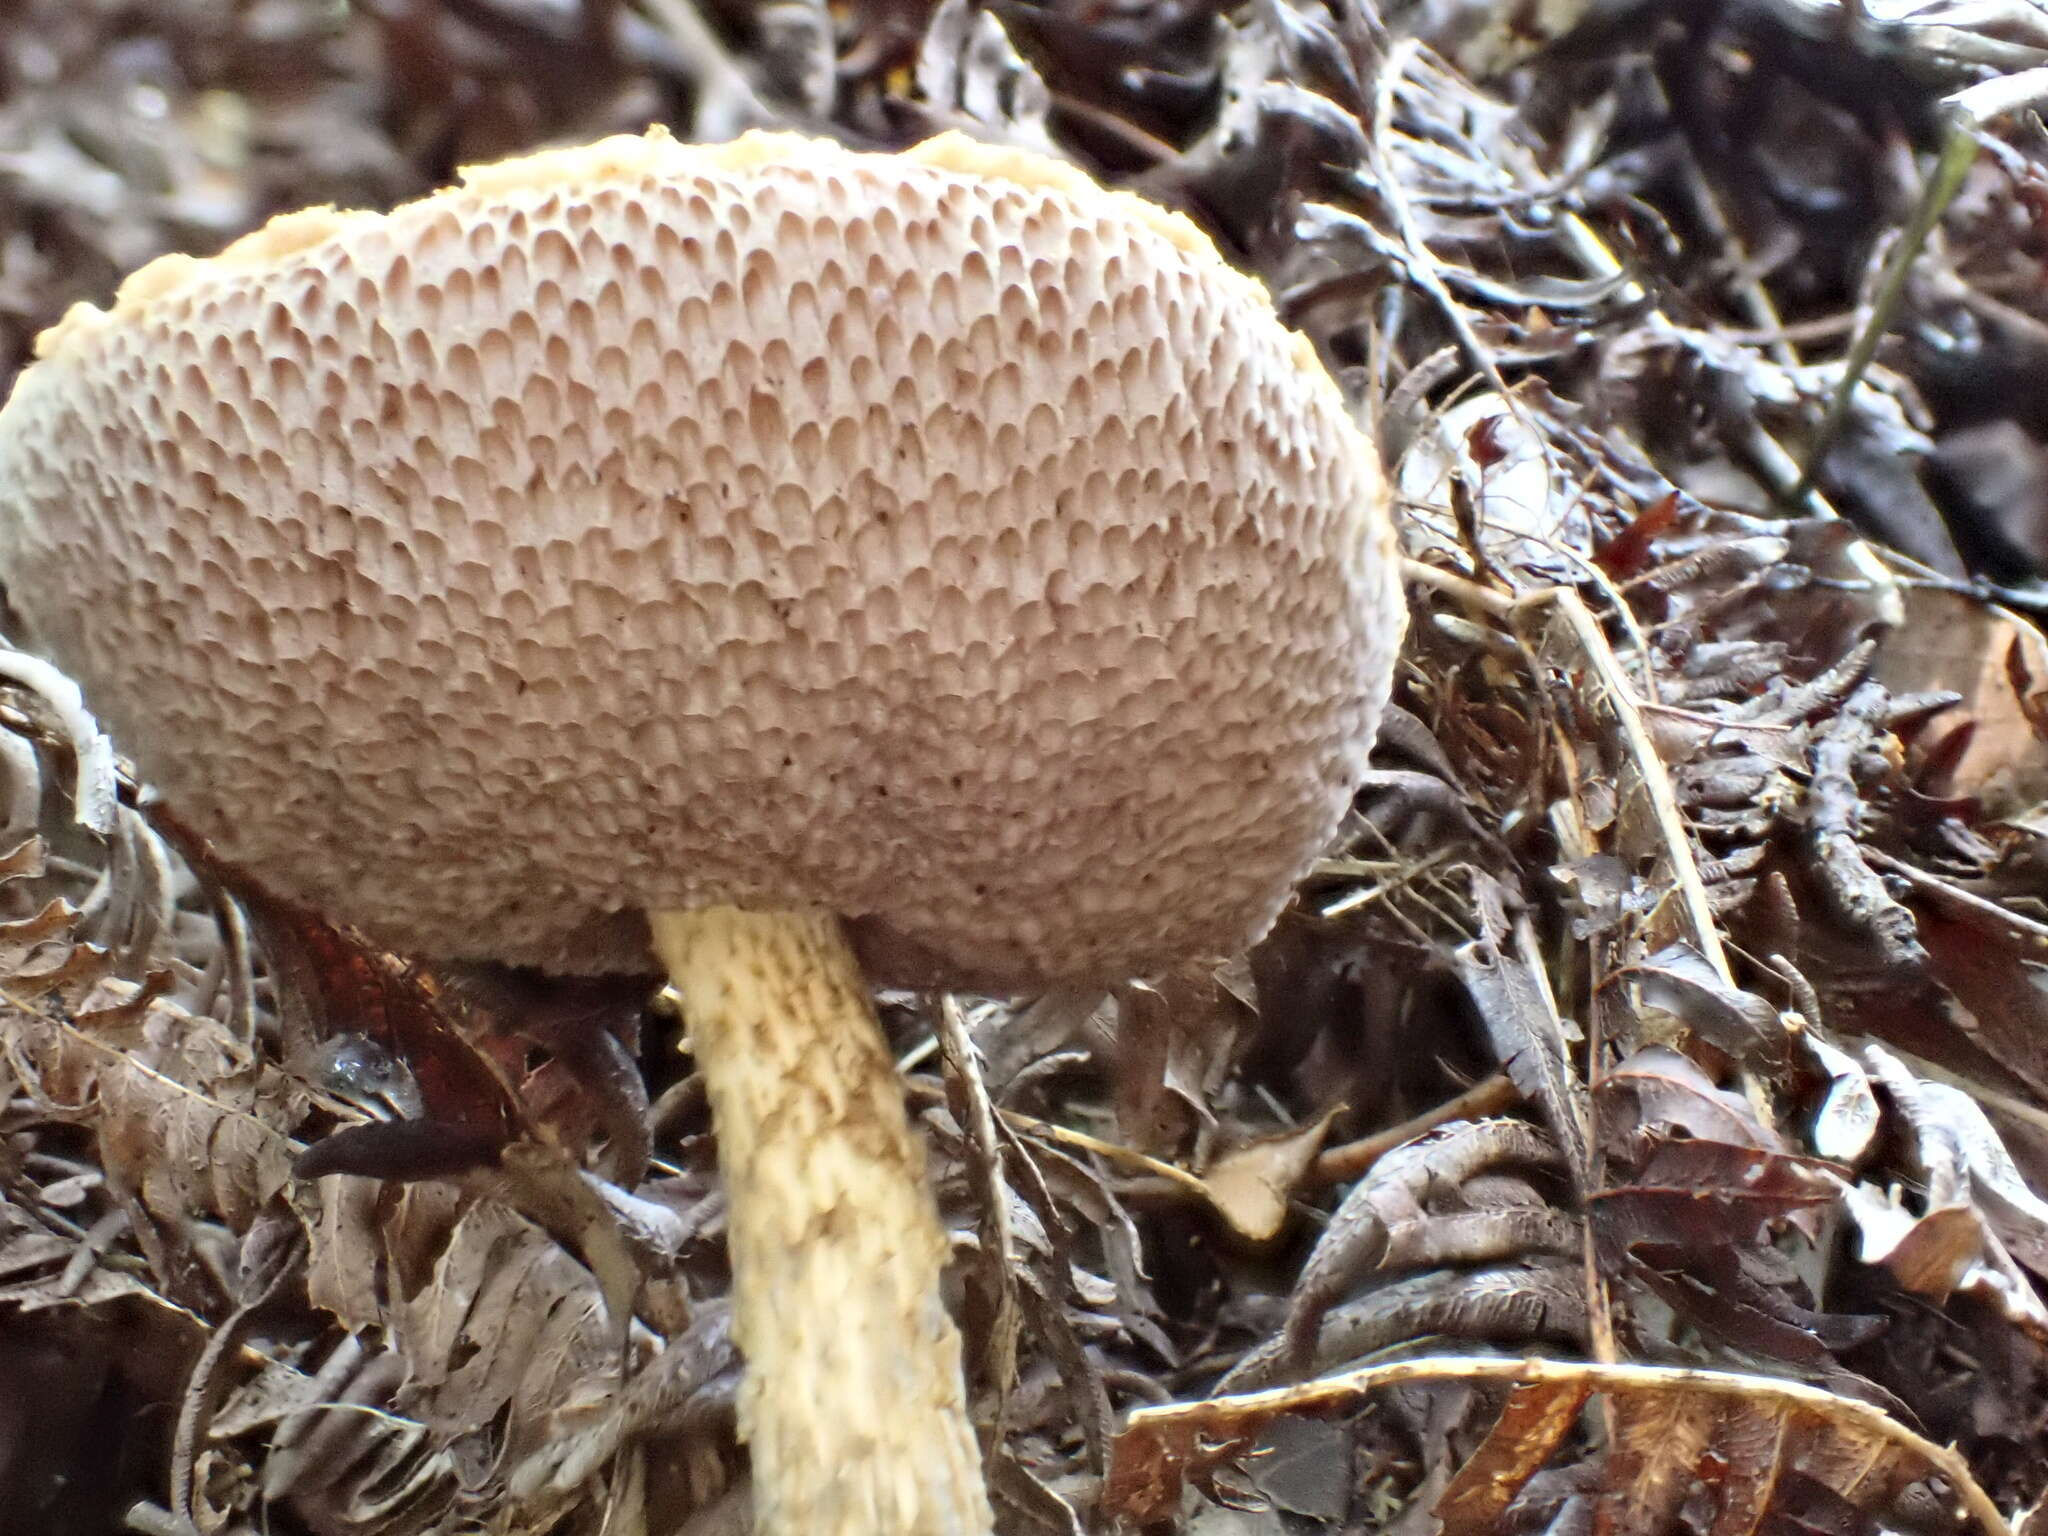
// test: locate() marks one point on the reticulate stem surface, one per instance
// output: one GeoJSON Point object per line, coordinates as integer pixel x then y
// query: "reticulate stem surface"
{"type": "Point", "coordinates": [853, 1403]}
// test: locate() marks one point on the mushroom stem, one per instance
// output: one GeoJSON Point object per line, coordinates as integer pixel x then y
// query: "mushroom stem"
{"type": "Point", "coordinates": [853, 1404]}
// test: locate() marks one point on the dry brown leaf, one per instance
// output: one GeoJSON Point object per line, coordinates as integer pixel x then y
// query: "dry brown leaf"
{"type": "Point", "coordinates": [1660, 1440]}
{"type": "Point", "coordinates": [1670, 1419]}
{"type": "Point", "coordinates": [1525, 1436]}
{"type": "Point", "coordinates": [1510, 991]}
{"type": "Point", "coordinates": [1751, 1443]}
{"type": "Point", "coordinates": [1251, 1186]}
{"type": "Point", "coordinates": [1928, 1254]}
{"type": "Point", "coordinates": [1998, 662]}
{"type": "Point", "coordinates": [510, 1325]}
{"type": "Point", "coordinates": [38, 957]}
{"type": "Point", "coordinates": [1174, 1037]}
{"type": "Point", "coordinates": [184, 1117]}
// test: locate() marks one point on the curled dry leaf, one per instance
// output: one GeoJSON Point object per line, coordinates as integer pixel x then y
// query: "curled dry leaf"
{"type": "Point", "coordinates": [1846, 1123]}
{"type": "Point", "coordinates": [1391, 1209]}
{"type": "Point", "coordinates": [1670, 1425]}
{"type": "Point", "coordinates": [1678, 980]}
{"type": "Point", "coordinates": [972, 76]}
{"type": "Point", "coordinates": [1975, 1214]}
{"type": "Point", "coordinates": [1489, 450]}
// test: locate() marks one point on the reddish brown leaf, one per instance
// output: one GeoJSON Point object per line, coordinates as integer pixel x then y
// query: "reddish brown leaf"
{"type": "Point", "coordinates": [1658, 1088]}
{"type": "Point", "coordinates": [1750, 1445]}
{"type": "Point", "coordinates": [1695, 1193]}
{"type": "Point", "coordinates": [1528, 1431]}
{"type": "Point", "coordinates": [1660, 1441]}
{"type": "Point", "coordinates": [1628, 552]}
{"type": "Point", "coordinates": [344, 984]}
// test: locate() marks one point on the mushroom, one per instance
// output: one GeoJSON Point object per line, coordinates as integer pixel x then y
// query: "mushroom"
{"type": "Point", "coordinates": [713, 555]}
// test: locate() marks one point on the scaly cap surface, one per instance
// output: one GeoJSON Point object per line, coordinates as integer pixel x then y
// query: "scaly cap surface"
{"type": "Point", "coordinates": [936, 538]}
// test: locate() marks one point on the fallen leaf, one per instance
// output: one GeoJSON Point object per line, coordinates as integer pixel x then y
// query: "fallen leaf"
{"type": "Point", "coordinates": [1252, 1185]}
{"type": "Point", "coordinates": [1679, 980]}
{"type": "Point", "coordinates": [1523, 1438]}
{"type": "Point", "coordinates": [1928, 1254]}
{"type": "Point", "coordinates": [1847, 1121]}
{"type": "Point", "coordinates": [1998, 662]}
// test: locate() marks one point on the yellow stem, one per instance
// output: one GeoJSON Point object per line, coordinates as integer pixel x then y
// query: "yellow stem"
{"type": "Point", "coordinates": [853, 1405]}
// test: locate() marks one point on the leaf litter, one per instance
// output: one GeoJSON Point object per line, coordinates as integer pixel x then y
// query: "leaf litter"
{"type": "Point", "coordinates": [1638, 1124]}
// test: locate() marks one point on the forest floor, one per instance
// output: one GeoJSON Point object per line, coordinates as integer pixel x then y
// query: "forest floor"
{"type": "Point", "coordinates": [1638, 1123]}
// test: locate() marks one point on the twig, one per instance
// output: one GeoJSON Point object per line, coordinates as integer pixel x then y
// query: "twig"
{"type": "Point", "coordinates": [1488, 1096]}
{"type": "Point", "coordinates": [2020, 925]}
{"type": "Point", "coordinates": [1422, 265]}
{"type": "Point", "coordinates": [1455, 584]}
{"type": "Point", "coordinates": [1964, 115]}
{"type": "Point", "coordinates": [1019, 1121]}
{"type": "Point", "coordinates": [1363, 896]}
{"type": "Point", "coordinates": [1834, 811]}
{"type": "Point", "coordinates": [964, 1070]}
{"type": "Point", "coordinates": [1656, 783]}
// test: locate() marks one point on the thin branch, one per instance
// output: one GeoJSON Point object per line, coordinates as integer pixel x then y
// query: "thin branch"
{"type": "Point", "coordinates": [1488, 1096]}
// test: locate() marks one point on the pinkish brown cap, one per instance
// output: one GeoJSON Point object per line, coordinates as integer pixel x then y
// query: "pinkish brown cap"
{"type": "Point", "coordinates": [935, 538]}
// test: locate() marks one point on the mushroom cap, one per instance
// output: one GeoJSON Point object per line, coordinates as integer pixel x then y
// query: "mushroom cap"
{"type": "Point", "coordinates": [938, 538]}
